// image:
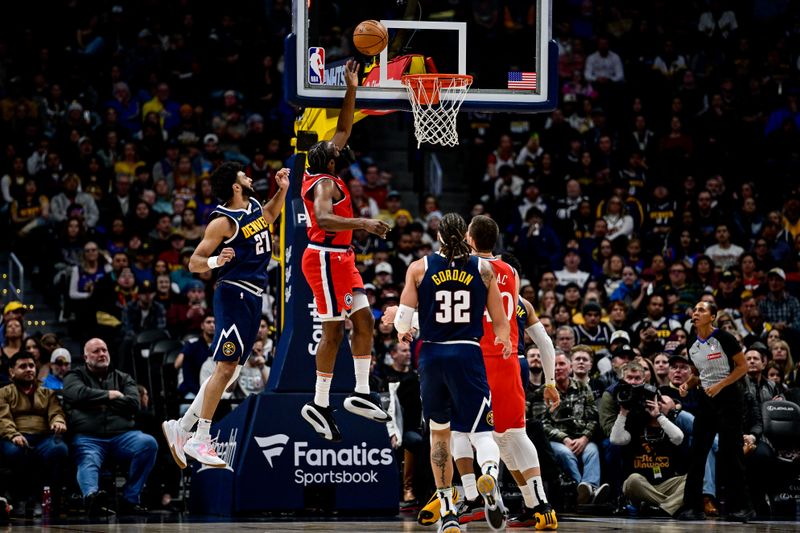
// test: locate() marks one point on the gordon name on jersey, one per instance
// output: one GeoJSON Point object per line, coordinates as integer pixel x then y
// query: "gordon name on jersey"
{"type": "Point", "coordinates": [452, 274]}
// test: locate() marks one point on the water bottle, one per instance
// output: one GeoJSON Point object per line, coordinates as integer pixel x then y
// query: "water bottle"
{"type": "Point", "coordinates": [46, 501]}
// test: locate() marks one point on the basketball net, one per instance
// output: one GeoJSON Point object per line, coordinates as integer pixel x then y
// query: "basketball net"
{"type": "Point", "coordinates": [435, 101]}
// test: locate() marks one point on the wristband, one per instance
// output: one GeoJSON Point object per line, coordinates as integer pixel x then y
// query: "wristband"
{"type": "Point", "coordinates": [549, 385]}
{"type": "Point", "coordinates": [402, 320]}
{"type": "Point", "coordinates": [212, 262]}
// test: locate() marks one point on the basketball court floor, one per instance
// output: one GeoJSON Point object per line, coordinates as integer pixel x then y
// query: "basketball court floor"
{"type": "Point", "coordinates": [198, 524]}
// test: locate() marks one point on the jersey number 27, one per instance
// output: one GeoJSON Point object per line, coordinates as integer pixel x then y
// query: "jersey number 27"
{"type": "Point", "coordinates": [262, 242]}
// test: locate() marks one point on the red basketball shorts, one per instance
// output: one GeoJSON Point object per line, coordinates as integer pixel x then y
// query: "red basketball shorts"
{"type": "Point", "coordinates": [333, 277]}
{"type": "Point", "coordinates": [508, 396]}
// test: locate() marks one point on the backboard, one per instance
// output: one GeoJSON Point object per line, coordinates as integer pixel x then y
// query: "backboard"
{"type": "Point", "coordinates": [505, 46]}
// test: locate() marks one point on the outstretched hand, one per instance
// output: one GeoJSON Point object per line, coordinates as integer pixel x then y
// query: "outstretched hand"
{"type": "Point", "coordinates": [351, 73]}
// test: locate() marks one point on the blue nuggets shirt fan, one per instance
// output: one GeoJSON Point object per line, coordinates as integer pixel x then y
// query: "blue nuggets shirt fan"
{"type": "Point", "coordinates": [241, 282]}
{"type": "Point", "coordinates": [453, 385]}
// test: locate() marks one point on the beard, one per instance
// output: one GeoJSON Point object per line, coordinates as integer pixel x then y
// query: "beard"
{"type": "Point", "coordinates": [249, 192]}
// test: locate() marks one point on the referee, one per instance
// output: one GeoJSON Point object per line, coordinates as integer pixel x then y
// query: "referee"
{"type": "Point", "coordinates": [717, 364]}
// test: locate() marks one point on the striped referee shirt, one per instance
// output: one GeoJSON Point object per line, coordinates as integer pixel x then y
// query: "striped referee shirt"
{"type": "Point", "coordinates": [713, 357]}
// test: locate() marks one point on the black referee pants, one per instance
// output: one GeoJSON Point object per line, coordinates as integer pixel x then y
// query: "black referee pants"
{"type": "Point", "coordinates": [721, 415]}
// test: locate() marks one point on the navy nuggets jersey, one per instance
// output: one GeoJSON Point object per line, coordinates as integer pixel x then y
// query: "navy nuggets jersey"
{"type": "Point", "coordinates": [252, 244]}
{"type": "Point", "coordinates": [452, 299]}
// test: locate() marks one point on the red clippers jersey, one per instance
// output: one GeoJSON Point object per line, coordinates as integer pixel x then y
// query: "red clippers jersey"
{"type": "Point", "coordinates": [342, 208]}
{"type": "Point", "coordinates": [507, 283]}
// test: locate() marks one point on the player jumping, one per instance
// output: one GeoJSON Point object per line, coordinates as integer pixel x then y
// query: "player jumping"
{"type": "Point", "coordinates": [240, 226]}
{"type": "Point", "coordinates": [329, 266]}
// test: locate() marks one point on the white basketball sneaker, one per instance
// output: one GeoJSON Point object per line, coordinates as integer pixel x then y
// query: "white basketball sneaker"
{"type": "Point", "coordinates": [368, 406]}
{"type": "Point", "coordinates": [203, 450]}
{"type": "Point", "coordinates": [496, 513]}
{"type": "Point", "coordinates": [176, 438]}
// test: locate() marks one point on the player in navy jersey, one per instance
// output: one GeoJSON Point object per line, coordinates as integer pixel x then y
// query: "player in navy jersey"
{"type": "Point", "coordinates": [239, 226]}
{"type": "Point", "coordinates": [452, 289]}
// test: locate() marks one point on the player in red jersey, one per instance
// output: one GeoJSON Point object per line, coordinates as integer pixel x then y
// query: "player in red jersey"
{"type": "Point", "coordinates": [330, 269]}
{"type": "Point", "coordinates": [508, 396]}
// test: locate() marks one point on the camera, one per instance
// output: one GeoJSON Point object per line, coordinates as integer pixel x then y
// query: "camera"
{"type": "Point", "coordinates": [634, 397]}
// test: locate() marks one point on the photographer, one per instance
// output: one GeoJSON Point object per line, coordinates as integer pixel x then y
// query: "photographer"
{"type": "Point", "coordinates": [650, 443]}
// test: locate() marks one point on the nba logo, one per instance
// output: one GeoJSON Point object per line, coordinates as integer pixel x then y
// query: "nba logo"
{"type": "Point", "coordinates": [316, 65]}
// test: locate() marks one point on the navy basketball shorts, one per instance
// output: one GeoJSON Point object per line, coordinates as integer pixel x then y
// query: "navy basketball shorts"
{"type": "Point", "coordinates": [524, 371]}
{"type": "Point", "coordinates": [453, 386]}
{"type": "Point", "coordinates": [237, 313]}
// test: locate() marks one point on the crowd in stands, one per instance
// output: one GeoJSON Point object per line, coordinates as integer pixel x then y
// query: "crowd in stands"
{"type": "Point", "coordinates": [669, 174]}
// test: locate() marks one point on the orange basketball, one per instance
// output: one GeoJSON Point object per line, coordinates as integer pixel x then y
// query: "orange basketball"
{"type": "Point", "coordinates": [370, 37]}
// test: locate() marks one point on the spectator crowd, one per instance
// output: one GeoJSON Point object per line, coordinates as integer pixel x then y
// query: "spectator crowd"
{"type": "Point", "coordinates": [668, 174]}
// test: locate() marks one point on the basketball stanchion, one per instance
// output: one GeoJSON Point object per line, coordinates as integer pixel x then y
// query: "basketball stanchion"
{"type": "Point", "coordinates": [435, 102]}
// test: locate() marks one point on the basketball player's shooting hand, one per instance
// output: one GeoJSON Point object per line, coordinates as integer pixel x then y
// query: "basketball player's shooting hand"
{"type": "Point", "coordinates": [351, 73]}
{"type": "Point", "coordinates": [551, 398]}
{"type": "Point", "coordinates": [225, 255]}
{"type": "Point", "coordinates": [282, 178]}
{"type": "Point", "coordinates": [376, 227]}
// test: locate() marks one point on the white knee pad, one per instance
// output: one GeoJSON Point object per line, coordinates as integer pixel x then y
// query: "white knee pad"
{"type": "Point", "coordinates": [505, 451]}
{"type": "Point", "coordinates": [235, 376]}
{"type": "Point", "coordinates": [460, 445]}
{"type": "Point", "coordinates": [522, 449]}
{"type": "Point", "coordinates": [486, 449]}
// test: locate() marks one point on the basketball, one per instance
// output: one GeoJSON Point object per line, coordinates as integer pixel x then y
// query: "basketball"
{"type": "Point", "coordinates": [370, 37]}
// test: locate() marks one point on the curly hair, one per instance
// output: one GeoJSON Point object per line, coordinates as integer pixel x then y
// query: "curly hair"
{"type": "Point", "coordinates": [318, 156]}
{"type": "Point", "coordinates": [223, 179]}
{"type": "Point", "coordinates": [452, 233]}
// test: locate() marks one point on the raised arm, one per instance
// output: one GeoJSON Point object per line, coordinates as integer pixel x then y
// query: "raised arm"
{"type": "Point", "coordinates": [323, 211]}
{"type": "Point", "coordinates": [345, 123]}
{"type": "Point", "coordinates": [272, 209]}
{"type": "Point", "coordinates": [218, 230]}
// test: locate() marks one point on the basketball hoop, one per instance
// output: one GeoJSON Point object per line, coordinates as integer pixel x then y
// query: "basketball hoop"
{"type": "Point", "coordinates": [435, 101]}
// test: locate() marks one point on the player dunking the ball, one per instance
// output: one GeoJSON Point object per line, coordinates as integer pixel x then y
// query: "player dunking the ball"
{"type": "Point", "coordinates": [452, 289]}
{"type": "Point", "coordinates": [240, 227]}
{"type": "Point", "coordinates": [329, 266]}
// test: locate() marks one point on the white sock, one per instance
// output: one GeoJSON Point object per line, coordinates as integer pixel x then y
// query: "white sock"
{"type": "Point", "coordinates": [361, 364]}
{"type": "Point", "coordinates": [536, 487]}
{"type": "Point", "coordinates": [470, 490]}
{"type": "Point", "coordinates": [323, 389]}
{"type": "Point", "coordinates": [190, 417]}
{"type": "Point", "coordinates": [203, 429]}
{"type": "Point", "coordinates": [526, 495]}
{"type": "Point", "coordinates": [446, 500]}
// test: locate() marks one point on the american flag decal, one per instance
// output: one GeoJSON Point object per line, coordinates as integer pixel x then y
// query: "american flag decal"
{"type": "Point", "coordinates": [522, 80]}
